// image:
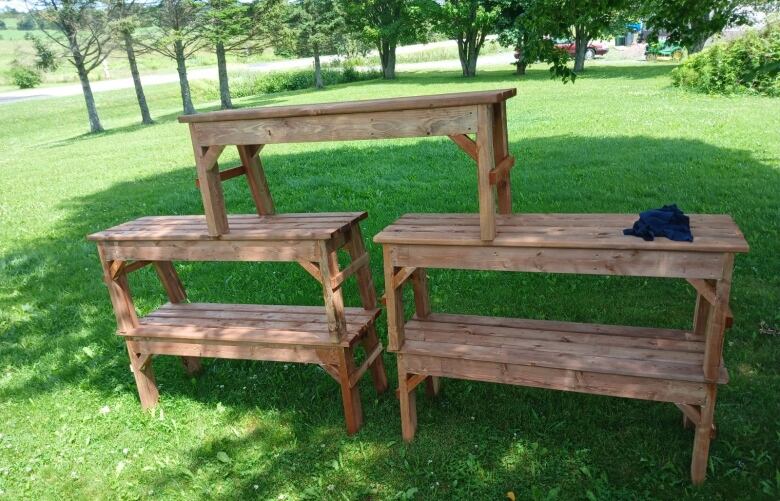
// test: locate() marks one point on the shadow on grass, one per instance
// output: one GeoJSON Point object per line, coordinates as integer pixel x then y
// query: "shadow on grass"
{"type": "Point", "coordinates": [61, 328]}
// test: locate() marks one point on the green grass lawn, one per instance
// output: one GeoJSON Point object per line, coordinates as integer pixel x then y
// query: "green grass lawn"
{"type": "Point", "coordinates": [618, 140]}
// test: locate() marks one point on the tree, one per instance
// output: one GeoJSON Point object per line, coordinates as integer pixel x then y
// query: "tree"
{"type": "Point", "coordinates": [231, 26]}
{"type": "Point", "coordinates": [126, 26]}
{"type": "Point", "coordinates": [81, 28]}
{"type": "Point", "coordinates": [468, 22]}
{"type": "Point", "coordinates": [314, 27]}
{"type": "Point", "coordinates": [691, 22]}
{"type": "Point", "coordinates": [525, 25]}
{"type": "Point", "coordinates": [587, 20]}
{"type": "Point", "coordinates": [177, 35]}
{"type": "Point", "coordinates": [386, 23]}
{"type": "Point", "coordinates": [26, 23]}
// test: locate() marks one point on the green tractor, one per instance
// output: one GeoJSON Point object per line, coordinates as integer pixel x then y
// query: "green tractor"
{"type": "Point", "coordinates": [656, 50]}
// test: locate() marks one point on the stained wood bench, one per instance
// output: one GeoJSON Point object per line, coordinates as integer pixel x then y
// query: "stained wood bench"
{"type": "Point", "coordinates": [459, 116]}
{"type": "Point", "coordinates": [670, 365]}
{"type": "Point", "coordinates": [328, 336]}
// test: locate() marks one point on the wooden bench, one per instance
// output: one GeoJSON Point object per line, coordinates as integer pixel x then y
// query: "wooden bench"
{"type": "Point", "coordinates": [326, 336]}
{"type": "Point", "coordinates": [679, 366]}
{"type": "Point", "coordinates": [457, 116]}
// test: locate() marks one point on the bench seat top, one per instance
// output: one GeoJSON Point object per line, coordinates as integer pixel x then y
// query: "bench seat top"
{"type": "Point", "coordinates": [711, 233]}
{"type": "Point", "coordinates": [666, 354]}
{"type": "Point", "coordinates": [364, 106]}
{"type": "Point", "coordinates": [248, 324]}
{"type": "Point", "coordinates": [307, 226]}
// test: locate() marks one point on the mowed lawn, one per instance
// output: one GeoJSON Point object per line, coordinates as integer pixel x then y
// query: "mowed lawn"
{"type": "Point", "coordinates": [618, 140]}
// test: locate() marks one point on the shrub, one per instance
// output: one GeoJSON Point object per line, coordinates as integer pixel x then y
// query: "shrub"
{"type": "Point", "coordinates": [25, 78]}
{"type": "Point", "coordinates": [747, 65]}
{"type": "Point", "coordinates": [251, 84]}
{"type": "Point", "coordinates": [26, 23]}
{"type": "Point", "coordinates": [3, 26]}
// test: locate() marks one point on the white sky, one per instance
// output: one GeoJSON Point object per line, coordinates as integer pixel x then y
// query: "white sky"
{"type": "Point", "coordinates": [16, 4]}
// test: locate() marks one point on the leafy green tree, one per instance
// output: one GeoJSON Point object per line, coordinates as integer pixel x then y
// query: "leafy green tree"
{"type": "Point", "coordinates": [469, 22]}
{"type": "Point", "coordinates": [176, 34]}
{"type": "Point", "coordinates": [26, 23]}
{"type": "Point", "coordinates": [691, 22]}
{"type": "Point", "coordinates": [387, 23]}
{"type": "Point", "coordinates": [3, 25]}
{"type": "Point", "coordinates": [82, 30]}
{"type": "Point", "coordinates": [525, 25]}
{"type": "Point", "coordinates": [126, 26]}
{"type": "Point", "coordinates": [584, 21]}
{"type": "Point", "coordinates": [314, 27]}
{"type": "Point", "coordinates": [235, 26]}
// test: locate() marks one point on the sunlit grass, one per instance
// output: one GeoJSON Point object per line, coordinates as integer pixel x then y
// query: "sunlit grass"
{"type": "Point", "coordinates": [618, 140]}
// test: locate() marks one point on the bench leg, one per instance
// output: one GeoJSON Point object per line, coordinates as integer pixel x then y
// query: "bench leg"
{"type": "Point", "coordinates": [408, 400]}
{"type": "Point", "coordinates": [350, 395]}
{"type": "Point", "coordinates": [141, 366]}
{"type": "Point", "coordinates": [377, 367]}
{"type": "Point", "coordinates": [702, 436]}
{"type": "Point", "coordinates": [174, 289]}
{"type": "Point", "coordinates": [422, 308]}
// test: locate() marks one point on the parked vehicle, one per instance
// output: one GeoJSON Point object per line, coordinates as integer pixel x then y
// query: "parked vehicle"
{"type": "Point", "coordinates": [655, 50]}
{"type": "Point", "coordinates": [594, 48]}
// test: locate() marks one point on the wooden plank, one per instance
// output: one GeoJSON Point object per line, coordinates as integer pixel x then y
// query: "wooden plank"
{"type": "Point", "coordinates": [255, 176]}
{"type": "Point", "coordinates": [704, 288]}
{"type": "Point", "coordinates": [578, 362]}
{"type": "Point", "coordinates": [313, 269]}
{"type": "Point", "coordinates": [555, 230]}
{"type": "Point", "coordinates": [403, 275]}
{"type": "Point", "coordinates": [344, 127]}
{"type": "Point", "coordinates": [119, 292]}
{"type": "Point", "coordinates": [716, 321]}
{"type": "Point", "coordinates": [370, 358]}
{"type": "Point", "coordinates": [502, 170]}
{"type": "Point", "coordinates": [408, 400]}
{"type": "Point", "coordinates": [296, 354]}
{"type": "Point", "coordinates": [210, 186]}
{"type": "Point", "coordinates": [394, 301]}
{"type": "Point", "coordinates": [356, 249]}
{"type": "Point", "coordinates": [338, 279]}
{"type": "Point", "coordinates": [350, 395]}
{"type": "Point", "coordinates": [334, 301]}
{"type": "Point", "coordinates": [642, 388]}
{"type": "Point", "coordinates": [551, 260]}
{"type": "Point", "coordinates": [702, 436]}
{"type": "Point", "coordinates": [226, 174]}
{"type": "Point", "coordinates": [244, 227]}
{"type": "Point", "coordinates": [691, 412]}
{"type": "Point", "coordinates": [501, 151]}
{"type": "Point", "coordinates": [217, 250]}
{"type": "Point", "coordinates": [466, 144]}
{"type": "Point", "coordinates": [430, 102]}
{"type": "Point", "coordinates": [422, 302]}
{"type": "Point", "coordinates": [486, 162]}
{"type": "Point", "coordinates": [551, 329]}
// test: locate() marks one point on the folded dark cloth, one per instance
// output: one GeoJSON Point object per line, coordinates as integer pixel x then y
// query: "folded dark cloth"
{"type": "Point", "coordinates": [668, 221]}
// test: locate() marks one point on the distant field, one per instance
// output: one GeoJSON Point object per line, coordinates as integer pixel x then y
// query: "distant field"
{"type": "Point", "coordinates": [14, 46]}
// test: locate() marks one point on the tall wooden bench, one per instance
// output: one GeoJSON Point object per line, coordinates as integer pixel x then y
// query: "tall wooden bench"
{"type": "Point", "coordinates": [326, 336]}
{"type": "Point", "coordinates": [679, 366]}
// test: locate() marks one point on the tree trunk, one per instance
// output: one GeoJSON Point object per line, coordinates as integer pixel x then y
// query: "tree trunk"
{"type": "Point", "coordinates": [520, 63]}
{"type": "Point", "coordinates": [462, 56]}
{"type": "Point", "coordinates": [317, 71]}
{"type": "Point", "coordinates": [146, 118]}
{"type": "Point", "coordinates": [224, 85]}
{"type": "Point", "coordinates": [387, 59]}
{"type": "Point", "coordinates": [580, 47]}
{"type": "Point", "coordinates": [698, 45]}
{"type": "Point", "coordinates": [184, 84]}
{"type": "Point", "coordinates": [89, 99]}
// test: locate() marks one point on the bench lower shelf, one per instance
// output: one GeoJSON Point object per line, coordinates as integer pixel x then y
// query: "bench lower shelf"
{"type": "Point", "coordinates": [247, 332]}
{"type": "Point", "coordinates": [634, 362]}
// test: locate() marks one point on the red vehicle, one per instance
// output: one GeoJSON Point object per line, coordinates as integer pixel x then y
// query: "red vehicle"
{"type": "Point", "coordinates": [594, 48]}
